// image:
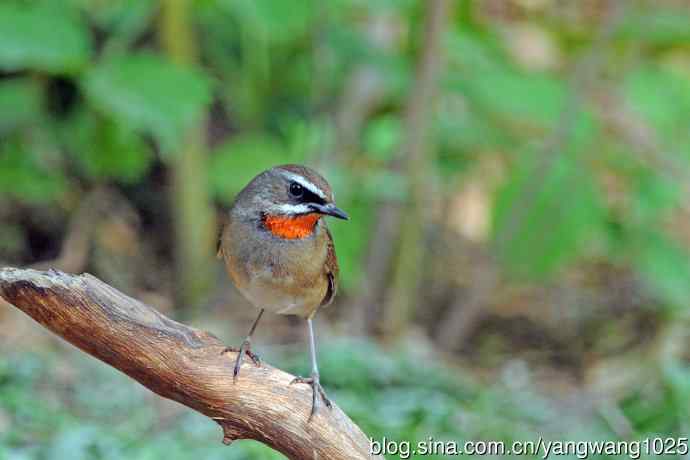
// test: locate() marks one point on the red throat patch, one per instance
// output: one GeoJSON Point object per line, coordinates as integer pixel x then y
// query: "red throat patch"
{"type": "Point", "coordinates": [292, 228]}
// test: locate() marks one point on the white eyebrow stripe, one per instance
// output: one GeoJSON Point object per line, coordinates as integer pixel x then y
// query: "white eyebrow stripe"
{"type": "Point", "coordinates": [287, 208]}
{"type": "Point", "coordinates": [304, 183]}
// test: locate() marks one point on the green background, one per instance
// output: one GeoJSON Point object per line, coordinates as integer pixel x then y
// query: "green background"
{"type": "Point", "coordinates": [518, 269]}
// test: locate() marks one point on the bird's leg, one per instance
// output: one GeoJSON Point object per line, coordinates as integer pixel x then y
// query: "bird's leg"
{"type": "Point", "coordinates": [245, 348]}
{"type": "Point", "coordinates": [313, 380]}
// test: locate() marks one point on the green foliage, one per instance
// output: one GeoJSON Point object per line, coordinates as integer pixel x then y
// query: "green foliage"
{"type": "Point", "coordinates": [12, 239]}
{"type": "Point", "coordinates": [45, 38]}
{"type": "Point", "coordinates": [50, 427]}
{"type": "Point", "coordinates": [383, 137]}
{"type": "Point", "coordinates": [663, 409]}
{"type": "Point", "coordinates": [542, 104]}
{"type": "Point", "coordinates": [546, 213]}
{"type": "Point", "coordinates": [237, 161]}
{"type": "Point", "coordinates": [276, 69]}
{"type": "Point", "coordinates": [28, 175]}
{"type": "Point", "coordinates": [123, 20]}
{"type": "Point", "coordinates": [663, 99]}
{"type": "Point", "coordinates": [351, 244]}
{"type": "Point", "coordinates": [498, 91]}
{"type": "Point", "coordinates": [127, 95]}
{"type": "Point", "coordinates": [274, 20]}
{"type": "Point", "coordinates": [665, 265]}
{"type": "Point", "coordinates": [654, 197]}
{"type": "Point", "coordinates": [20, 104]}
{"type": "Point", "coordinates": [145, 92]}
{"type": "Point", "coordinates": [400, 395]}
{"type": "Point", "coordinates": [107, 149]}
{"type": "Point", "coordinates": [656, 26]}
{"type": "Point", "coordinates": [91, 98]}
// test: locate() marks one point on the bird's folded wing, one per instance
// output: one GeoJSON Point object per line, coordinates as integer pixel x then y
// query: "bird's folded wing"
{"type": "Point", "coordinates": [331, 269]}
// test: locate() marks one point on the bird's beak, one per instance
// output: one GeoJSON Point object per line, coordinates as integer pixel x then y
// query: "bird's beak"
{"type": "Point", "coordinates": [330, 210]}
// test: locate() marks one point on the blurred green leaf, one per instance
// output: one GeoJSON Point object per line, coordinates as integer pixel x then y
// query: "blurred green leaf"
{"type": "Point", "coordinates": [383, 184]}
{"type": "Point", "coordinates": [657, 25]}
{"type": "Point", "coordinates": [665, 265]}
{"type": "Point", "coordinates": [123, 20]}
{"type": "Point", "coordinates": [42, 38]}
{"type": "Point", "coordinates": [350, 45]}
{"type": "Point", "coordinates": [677, 378]}
{"type": "Point", "coordinates": [80, 442]}
{"type": "Point", "coordinates": [382, 137]}
{"type": "Point", "coordinates": [12, 243]}
{"type": "Point", "coordinates": [20, 103]}
{"type": "Point", "coordinates": [463, 130]}
{"type": "Point", "coordinates": [351, 240]}
{"type": "Point", "coordinates": [494, 90]}
{"type": "Point", "coordinates": [148, 93]}
{"type": "Point", "coordinates": [24, 176]}
{"type": "Point", "coordinates": [119, 17]}
{"type": "Point", "coordinates": [663, 99]}
{"type": "Point", "coordinates": [525, 100]}
{"type": "Point", "coordinates": [306, 139]}
{"type": "Point", "coordinates": [236, 162]}
{"type": "Point", "coordinates": [653, 195]}
{"type": "Point", "coordinates": [105, 149]}
{"type": "Point", "coordinates": [545, 214]}
{"type": "Point", "coordinates": [651, 415]}
{"type": "Point", "coordinates": [274, 20]}
{"type": "Point", "coordinates": [474, 53]}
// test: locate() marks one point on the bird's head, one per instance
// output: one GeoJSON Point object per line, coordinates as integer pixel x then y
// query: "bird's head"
{"type": "Point", "coordinates": [291, 199]}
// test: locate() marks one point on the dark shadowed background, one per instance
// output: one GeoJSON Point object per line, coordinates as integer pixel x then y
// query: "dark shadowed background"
{"type": "Point", "coordinates": [517, 174]}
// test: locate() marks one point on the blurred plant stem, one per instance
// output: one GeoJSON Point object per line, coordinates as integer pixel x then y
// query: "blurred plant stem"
{"type": "Point", "coordinates": [366, 87]}
{"type": "Point", "coordinates": [365, 90]}
{"type": "Point", "coordinates": [402, 295]}
{"type": "Point", "coordinates": [193, 214]}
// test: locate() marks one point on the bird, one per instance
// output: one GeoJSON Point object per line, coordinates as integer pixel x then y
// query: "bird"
{"type": "Point", "coordinates": [279, 253]}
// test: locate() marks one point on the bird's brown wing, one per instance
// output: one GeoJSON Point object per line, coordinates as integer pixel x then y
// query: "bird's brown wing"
{"type": "Point", "coordinates": [221, 232]}
{"type": "Point", "coordinates": [220, 253]}
{"type": "Point", "coordinates": [219, 243]}
{"type": "Point", "coordinates": [331, 269]}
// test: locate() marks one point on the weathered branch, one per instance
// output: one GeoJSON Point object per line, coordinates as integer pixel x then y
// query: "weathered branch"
{"type": "Point", "coordinates": [183, 364]}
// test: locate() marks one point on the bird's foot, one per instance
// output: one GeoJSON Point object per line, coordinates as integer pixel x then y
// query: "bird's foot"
{"type": "Point", "coordinates": [317, 390]}
{"type": "Point", "coordinates": [245, 349]}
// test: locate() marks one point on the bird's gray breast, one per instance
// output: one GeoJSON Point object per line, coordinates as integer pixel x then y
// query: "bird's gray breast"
{"type": "Point", "coordinates": [280, 275]}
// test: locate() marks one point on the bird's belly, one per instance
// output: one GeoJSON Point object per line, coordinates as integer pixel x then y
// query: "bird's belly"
{"type": "Point", "coordinates": [284, 295]}
{"type": "Point", "coordinates": [284, 277]}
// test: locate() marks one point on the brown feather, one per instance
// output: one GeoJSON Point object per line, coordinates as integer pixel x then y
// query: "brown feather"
{"type": "Point", "coordinates": [331, 268]}
{"type": "Point", "coordinates": [284, 264]}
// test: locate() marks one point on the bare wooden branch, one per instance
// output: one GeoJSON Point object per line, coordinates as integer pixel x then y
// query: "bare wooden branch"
{"type": "Point", "coordinates": [183, 364]}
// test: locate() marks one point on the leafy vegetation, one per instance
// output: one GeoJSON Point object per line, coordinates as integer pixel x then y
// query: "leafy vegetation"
{"type": "Point", "coordinates": [261, 61]}
{"type": "Point", "coordinates": [556, 164]}
{"type": "Point", "coordinates": [389, 395]}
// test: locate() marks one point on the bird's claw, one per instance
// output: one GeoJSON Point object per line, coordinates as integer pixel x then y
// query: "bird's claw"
{"type": "Point", "coordinates": [245, 349]}
{"type": "Point", "coordinates": [315, 384]}
{"type": "Point", "coordinates": [255, 357]}
{"type": "Point", "coordinates": [229, 350]}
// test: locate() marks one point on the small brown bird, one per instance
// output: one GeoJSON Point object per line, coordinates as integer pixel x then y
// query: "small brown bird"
{"type": "Point", "coordinates": [279, 252]}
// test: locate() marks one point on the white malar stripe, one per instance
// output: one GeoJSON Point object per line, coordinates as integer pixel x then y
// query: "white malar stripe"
{"type": "Point", "coordinates": [304, 183]}
{"type": "Point", "coordinates": [287, 208]}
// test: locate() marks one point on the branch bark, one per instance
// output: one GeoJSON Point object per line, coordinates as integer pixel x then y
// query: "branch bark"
{"type": "Point", "coordinates": [183, 364]}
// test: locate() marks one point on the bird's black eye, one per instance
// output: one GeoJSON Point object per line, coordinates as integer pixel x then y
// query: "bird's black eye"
{"type": "Point", "coordinates": [296, 190]}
